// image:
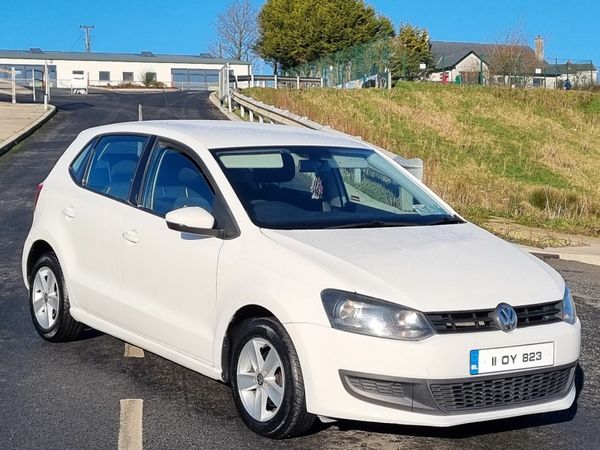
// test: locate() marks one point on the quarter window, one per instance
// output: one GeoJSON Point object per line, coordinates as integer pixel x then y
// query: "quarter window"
{"type": "Point", "coordinates": [114, 164]}
{"type": "Point", "coordinates": [79, 164]}
{"type": "Point", "coordinates": [174, 181]}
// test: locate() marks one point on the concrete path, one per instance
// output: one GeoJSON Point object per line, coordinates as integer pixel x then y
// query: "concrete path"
{"type": "Point", "coordinates": [18, 120]}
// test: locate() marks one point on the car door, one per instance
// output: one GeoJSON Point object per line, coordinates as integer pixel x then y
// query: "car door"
{"type": "Point", "coordinates": [93, 215]}
{"type": "Point", "coordinates": [169, 277]}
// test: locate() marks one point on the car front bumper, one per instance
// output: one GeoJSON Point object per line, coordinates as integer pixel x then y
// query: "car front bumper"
{"type": "Point", "coordinates": [397, 380]}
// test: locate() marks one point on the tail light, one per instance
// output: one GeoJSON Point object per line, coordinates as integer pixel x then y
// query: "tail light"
{"type": "Point", "coordinates": [36, 195]}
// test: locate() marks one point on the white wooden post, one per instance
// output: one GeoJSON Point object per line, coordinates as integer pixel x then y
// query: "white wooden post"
{"type": "Point", "coordinates": [275, 79]}
{"type": "Point", "coordinates": [13, 76]}
{"type": "Point", "coordinates": [260, 119]}
{"type": "Point", "coordinates": [322, 82]}
{"type": "Point", "coordinates": [140, 115]}
{"type": "Point", "coordinates": [33, 83]}
{"type": "Point", "coordinates": [46, 80]}
{"type": "Point", "coordinates": [242, 111]}
{"type": "Point", "coordinates": [389, 76]}
{"type": "Point", "coordinates": [251, 115]}
{"type": "Point", "coordinates": [252, 80]}
{"type": "Point", "coordinates": [298, 82]}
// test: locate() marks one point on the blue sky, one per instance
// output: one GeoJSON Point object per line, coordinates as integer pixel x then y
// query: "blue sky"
{"type": "Point", "coordinates": [187, 26]}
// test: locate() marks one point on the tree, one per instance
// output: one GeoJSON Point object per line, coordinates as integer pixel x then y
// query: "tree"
{"type": "Point", "coordinates": [293, 32]}
{"type": "Point", "coordinates": [236, 31]}
{"type": "Point", "coordinates": [511, 60]}
{"type": "Point", "coordinates": [411, 48]}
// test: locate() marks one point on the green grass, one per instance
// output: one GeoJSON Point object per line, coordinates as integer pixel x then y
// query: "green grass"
{"type": "Point", "coordinates": [532, 156]}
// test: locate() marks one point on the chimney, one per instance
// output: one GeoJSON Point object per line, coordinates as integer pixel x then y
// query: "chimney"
{"type": "Point", "coordinates": [539, 48]}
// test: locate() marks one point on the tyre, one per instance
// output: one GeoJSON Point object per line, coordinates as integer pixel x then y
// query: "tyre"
{"type": "Point", "coordinates": [266, 379]}
{"type": "Point", "coordinates": [49, 301]}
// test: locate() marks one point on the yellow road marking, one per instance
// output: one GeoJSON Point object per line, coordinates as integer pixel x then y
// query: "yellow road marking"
{"type": "Point", "coordinates": [130, 424]}
{"type": "Point", "coordinates": [131, 351]}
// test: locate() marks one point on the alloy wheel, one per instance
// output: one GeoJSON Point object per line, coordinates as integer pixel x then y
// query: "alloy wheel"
{"type": "Point", "coordinates": [260, 379]}
{"type": "Point", "coordinates": [45, 298]}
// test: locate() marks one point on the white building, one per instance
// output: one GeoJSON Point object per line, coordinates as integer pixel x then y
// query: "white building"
{"type": "Point", "coordinates": [102, 69]}
{"type": "Point", "coordinates": [469, 63]}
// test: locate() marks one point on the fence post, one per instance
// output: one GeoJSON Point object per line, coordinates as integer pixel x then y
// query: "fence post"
{"type": "Point", "coordinates": [275, 79]}
{"type": "Point", "coordinates": [389, 79]}
{"type": "Point", "coordinates": [13, 76]}
{"type": "Point", "coordinates": [140, 115]}
{"type": "Point", "coordinates": [322, 82]}
{"type": "Point", "coordinates": [242, 111]}
{"type": "Point", "coordinates": [252, 80]}
{"type": "Point", "coordinates": [298, 82]}
{"type": "Point", "coordinates": [47, 83]}
{"type": "Point", "coordinates": [251, 115]}
{"type": "Point", "coordinates": [33, 83]}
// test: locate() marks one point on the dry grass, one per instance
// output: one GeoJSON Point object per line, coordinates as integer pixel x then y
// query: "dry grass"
{"type": "Point", "coordinates": [529, 155]}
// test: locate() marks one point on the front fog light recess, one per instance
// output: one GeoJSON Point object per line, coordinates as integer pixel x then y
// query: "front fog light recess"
{"type": "Point", "coordinates": [365, 315]}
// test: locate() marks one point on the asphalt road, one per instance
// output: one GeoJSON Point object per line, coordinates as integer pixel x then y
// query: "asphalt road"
{"type": "Point", "coordinates": [56, 396]}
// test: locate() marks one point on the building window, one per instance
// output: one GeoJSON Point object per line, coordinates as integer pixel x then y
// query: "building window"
{"type": "Point", "coordinates": [78, 72]}
{"type": "Point", "coordinates": [128, 77]}
{"type": "Point", "coordinates": [104, 76]}
{"type": "Point", "coordinates": [150, 77]}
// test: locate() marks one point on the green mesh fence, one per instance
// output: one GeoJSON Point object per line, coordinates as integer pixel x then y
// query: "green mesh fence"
{"type": "Point", "coordinates": [366, 65]}
{"type": "Point", "coordinates": [352, 67]}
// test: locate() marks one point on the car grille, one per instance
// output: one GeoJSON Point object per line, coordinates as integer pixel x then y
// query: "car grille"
{"type": "Point", "coordinates": [381, 387]}
{"type": "Point", "coordinates": [501, 391]}
{"type": "Point", "coordinates": [482, 320]}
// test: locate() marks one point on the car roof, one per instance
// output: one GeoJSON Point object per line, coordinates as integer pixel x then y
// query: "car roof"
{"type": "Point", "coordinates": [214, 134]}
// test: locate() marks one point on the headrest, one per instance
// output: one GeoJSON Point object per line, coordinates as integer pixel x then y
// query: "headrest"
{"type": "Point", "coordinates": [123, 169]}
{"type": "Point", "coordinates": [187, 176]}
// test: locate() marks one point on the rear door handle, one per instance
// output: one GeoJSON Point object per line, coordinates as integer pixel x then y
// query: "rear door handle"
{"type": "Point", "coordinates": [131, 236]}
{"type": "Point", "coordinates": [69, 212]}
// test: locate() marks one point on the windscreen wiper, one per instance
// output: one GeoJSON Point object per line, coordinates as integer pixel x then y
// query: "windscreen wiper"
{"type": "Point", "coordinates": [448, 220]}
{"type": "Point", "coordinates": [373, 224]}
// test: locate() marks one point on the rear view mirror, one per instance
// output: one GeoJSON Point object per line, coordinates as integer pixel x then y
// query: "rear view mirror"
{"type": "Point", "coordinates": [193, 219]}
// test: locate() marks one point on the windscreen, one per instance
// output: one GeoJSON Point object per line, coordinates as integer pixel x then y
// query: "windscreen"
{"type": "Point", "coordinates": [322, 187]}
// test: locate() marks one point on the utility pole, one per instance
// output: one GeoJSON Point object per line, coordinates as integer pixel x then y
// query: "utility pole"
{"type": "Point", "coordinates": [88, 36]}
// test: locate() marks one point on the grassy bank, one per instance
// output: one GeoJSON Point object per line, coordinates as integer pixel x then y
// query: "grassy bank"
{"type": "Point", "coordinates": [532, 156]}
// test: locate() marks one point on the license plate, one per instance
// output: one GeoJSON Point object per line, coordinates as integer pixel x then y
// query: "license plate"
{"type": "Point", "coordinates": [501, 359]}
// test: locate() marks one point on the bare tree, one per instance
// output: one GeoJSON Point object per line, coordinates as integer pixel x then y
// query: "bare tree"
{"type": "Point", "coordinates": [512, 60]}
{"type": "Point", "coordinates": [237, 31]}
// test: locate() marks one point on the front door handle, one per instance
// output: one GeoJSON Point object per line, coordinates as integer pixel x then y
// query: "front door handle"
{"type": "Point", "coordinates": [69, 212]}
{"type": "Point", "coordinates": [131, 236]}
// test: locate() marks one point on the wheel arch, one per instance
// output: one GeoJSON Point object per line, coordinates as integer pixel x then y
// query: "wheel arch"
{"type": "Point", "coordinates": [38, 248]}
{"type": "Point", "coordinates": [244, 313]}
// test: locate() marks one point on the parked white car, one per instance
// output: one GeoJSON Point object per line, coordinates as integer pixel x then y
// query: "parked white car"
{"type": "Point", "coordinates": [306, 269]}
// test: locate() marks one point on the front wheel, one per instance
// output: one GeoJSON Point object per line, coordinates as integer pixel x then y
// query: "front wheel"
{"type": "Point", "coordinates": [266, 379]}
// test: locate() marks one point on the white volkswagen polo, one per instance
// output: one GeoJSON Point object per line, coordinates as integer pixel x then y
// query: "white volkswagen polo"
{"type": "Point", "coordinates": [308, 270]}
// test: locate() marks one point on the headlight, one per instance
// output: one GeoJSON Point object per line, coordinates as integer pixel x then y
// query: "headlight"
{"type": "Point", "coordinates": [569, 314]}
{"type": "Point", "coordinates": [365, 315]}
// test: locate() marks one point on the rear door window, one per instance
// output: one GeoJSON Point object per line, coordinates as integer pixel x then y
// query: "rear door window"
{"type": "Point", "coordinates": [114, 163]}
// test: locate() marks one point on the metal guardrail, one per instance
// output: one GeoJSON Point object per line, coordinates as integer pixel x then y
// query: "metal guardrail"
{"type": "Point", "coordinates": [263, 112]}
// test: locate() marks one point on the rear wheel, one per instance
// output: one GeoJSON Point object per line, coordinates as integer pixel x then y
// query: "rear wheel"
{"type": "Point", "coordinates": [49, 301]}
{"type": "Point", "coordinates": [266, 379]}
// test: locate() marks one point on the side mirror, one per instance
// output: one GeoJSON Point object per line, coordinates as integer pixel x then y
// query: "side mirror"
{"type": "Point", "coordinates": [414, 166]}
{"type": "Point", "coordinates": [193, 219]}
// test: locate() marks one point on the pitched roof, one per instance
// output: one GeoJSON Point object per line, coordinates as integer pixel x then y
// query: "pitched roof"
{"type": "Point", "coordinates": [146, 56]}
{"type": "Point", "coordinates": [564, 69]}
{"type": "Point", "coordinates": [449, 54]}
